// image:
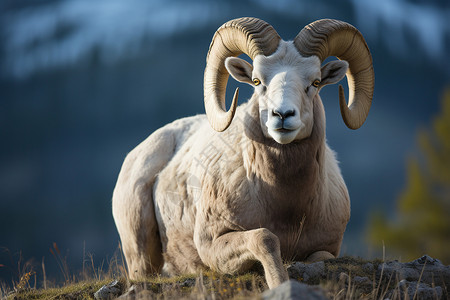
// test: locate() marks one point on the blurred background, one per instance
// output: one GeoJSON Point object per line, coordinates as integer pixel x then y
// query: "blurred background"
{"type": "Point", "coordinates": [83, 82]}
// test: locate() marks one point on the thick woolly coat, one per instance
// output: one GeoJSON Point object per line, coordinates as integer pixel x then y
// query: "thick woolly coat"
{"type": "Point", "coordinates": [186, 185]}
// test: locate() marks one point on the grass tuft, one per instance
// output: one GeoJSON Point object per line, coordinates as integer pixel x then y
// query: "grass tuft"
{"type": "Point", "coordinates": [338, 282]}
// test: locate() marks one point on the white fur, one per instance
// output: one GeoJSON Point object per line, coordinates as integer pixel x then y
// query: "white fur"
{"type": "Point", "coordinates": [189, 197]}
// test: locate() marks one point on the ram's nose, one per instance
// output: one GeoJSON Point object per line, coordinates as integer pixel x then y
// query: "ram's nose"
{"type": "Point", "coordinates": [283, 114]}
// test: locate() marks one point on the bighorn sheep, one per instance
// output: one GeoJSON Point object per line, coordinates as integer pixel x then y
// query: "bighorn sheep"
{"type": "Point", "coordinates": [265, 187]}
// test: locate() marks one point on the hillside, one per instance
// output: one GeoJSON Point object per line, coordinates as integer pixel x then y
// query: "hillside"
{"type": "Point", "coordinates": [341, 278]}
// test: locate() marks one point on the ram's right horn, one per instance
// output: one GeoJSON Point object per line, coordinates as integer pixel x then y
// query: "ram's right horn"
{"type": "Point", "coordinates": [244, 35]}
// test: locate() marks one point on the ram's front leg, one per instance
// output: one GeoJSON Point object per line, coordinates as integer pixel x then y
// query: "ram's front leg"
{"type": "Point", "coordinates": [236, 251]}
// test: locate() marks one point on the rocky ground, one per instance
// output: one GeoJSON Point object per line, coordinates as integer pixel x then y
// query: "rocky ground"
{"type": "Point", "coordinates": [341, 278]}
{"type": "Point", "coordinates": [423, 278]}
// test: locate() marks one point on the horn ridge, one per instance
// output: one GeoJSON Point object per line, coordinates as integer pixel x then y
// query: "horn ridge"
{"type": "Point", "coordinates": [247, 35]}
{"type": "Point", "coordinates": [328, 37]}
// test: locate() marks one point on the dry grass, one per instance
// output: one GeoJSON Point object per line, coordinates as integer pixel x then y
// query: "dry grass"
{"type": "Point", "coordinates": [79, 290]}
{"type": "Point", "coordinates": [338, 282]}
{"type": "Point", "coordinates": [196, 286]}
{"type": "Point", "coordinates": [34, 284]}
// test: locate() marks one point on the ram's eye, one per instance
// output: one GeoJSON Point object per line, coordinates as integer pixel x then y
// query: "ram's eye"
{"type": "Point", "coordinates": [316, 83]}
{"type": "Point", "coordinates": [256, 81]}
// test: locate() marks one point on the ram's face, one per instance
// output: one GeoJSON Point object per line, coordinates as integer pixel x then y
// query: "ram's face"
{"type": "Point", "coordinates": [286, 85]}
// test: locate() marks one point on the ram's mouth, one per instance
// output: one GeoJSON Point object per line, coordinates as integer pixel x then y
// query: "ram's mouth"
{"type": "Point", "coordinates": [283, 130]}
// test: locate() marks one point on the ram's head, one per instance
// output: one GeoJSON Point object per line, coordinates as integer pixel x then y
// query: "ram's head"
{"type": "Point", "coordinates": [287, 76]}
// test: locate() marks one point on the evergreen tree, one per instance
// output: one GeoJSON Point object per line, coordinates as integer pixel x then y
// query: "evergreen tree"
{"type": "Point", "coordinates": [422, 224]}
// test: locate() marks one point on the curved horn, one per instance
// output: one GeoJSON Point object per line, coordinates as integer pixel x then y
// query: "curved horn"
{"type": "Point", "coordinates": [328, 37]}
{"type": "Point", "coordinates": [244, 35]}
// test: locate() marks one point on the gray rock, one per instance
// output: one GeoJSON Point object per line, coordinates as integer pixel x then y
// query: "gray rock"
{"type": "Point", "coordinates": [292, 289]}
{"type": "Point", "coordinates": [408, 274]}
{"type": "Point", "coordinates": [311, 273]}
{"type": "Point", "coordinates": [137, 292]}
{"type": "Point", "coordinates": [395, 269]}
{"type": "Point", "coordinates": [132, 291]}
{"type": "Point", "coordinates": [425, 269]}
{"type": "Point", "coordinates": [108, 291]}
{"type": "Point", "coordinates": [426, 260]}
{"type": "Point", "coordinates": [368, 268]}
{"type": "Point", "coordinates": [362, 281]}
{"type": "Point", "coordinates": [419, 290]}
{"type": "Point", "coordinates": [189, 282]}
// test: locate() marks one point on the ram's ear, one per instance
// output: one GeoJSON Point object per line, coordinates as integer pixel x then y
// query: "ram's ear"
{"type": "Point", "coordinates": [239, 69]}
{"type": "Point", "coordinates": [333, 72]}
